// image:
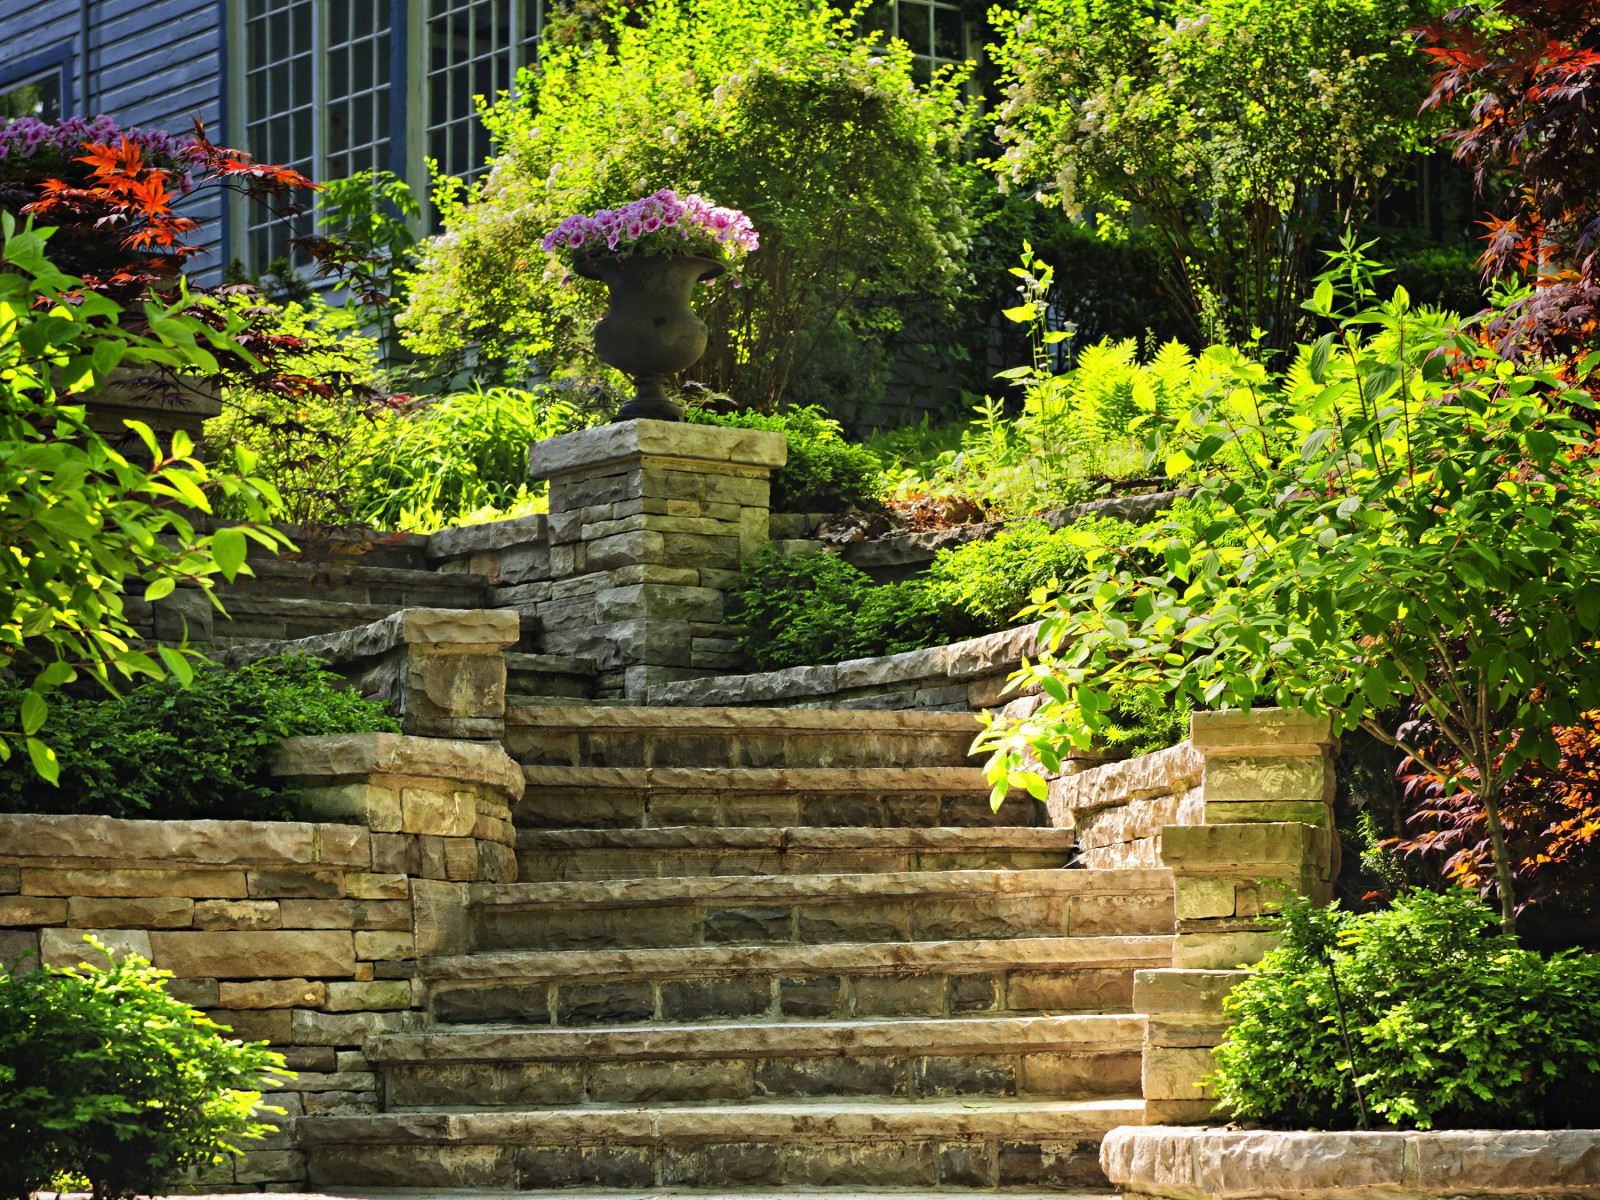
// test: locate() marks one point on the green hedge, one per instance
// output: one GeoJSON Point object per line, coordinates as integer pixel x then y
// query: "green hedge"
{"type": "Point", "coordinates": [167, 752]}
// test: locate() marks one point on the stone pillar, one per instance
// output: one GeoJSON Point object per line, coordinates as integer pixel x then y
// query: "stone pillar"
{"type": "Point", "coordinates": [648, 520]}
{"type": "Point", "coordinates": [1267, 831]}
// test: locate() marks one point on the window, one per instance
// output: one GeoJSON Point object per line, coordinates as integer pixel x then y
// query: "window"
{"type": "Point", "coordinates": [316, 97]}
{"type": "Point", "coordinates": [474, 48]}
{"type": "Point", "coordinates": [314, 89]}
{"type": "Point", "coordinates": [39, 97]}
{"type": "Point", "coordinates": [935, 31]}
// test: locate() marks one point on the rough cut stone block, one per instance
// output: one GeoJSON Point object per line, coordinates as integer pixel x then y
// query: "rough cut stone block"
{"type": "Point", "coordinates": [1241, 849]}
{"type": "Point", "coordinates": [270, 954]}
{"type": "Point", "coordinates": [95, 881]}
{"type": "Point", "coordinates": [1284, 779]}
{"type": "Point", "coordinates": [33, 910]}
{"type": "Point", "coordinates": [346, 914]}
{"type": "Point", "coordinates": [367, 754]}
{"type": "Point", "coordinates": [1200, 896]}
{"type": "Point", "coordinates": [1260, 731]}
{"type": "Point", "coordinates": [1183, 990]}
{"type": "Point", "coordinates": [255, 1024]}
{"type": "Point", "coordinates": [237, 914]}
{"type": "Point", "coordinates": [591, 449]}
{"type": "Point", "coordinates": [219, 843]}
{"type": "Point", "coordinates": [1173, 1073]}
{"type": "Point", "coordinates": [491, 535]}
{"type": "Point", "coordinates": [143, 912]}
{"type": "Point", "coordinates": [378, 808]}
{"type": "Point", "coordinates": [440, 813]}
{"type": "Point", "coordinates": [383, 946]}
{"type": "Point", "coordinates": [67, 947]}
{"type": "Point", "coordinates": [1220, 951]}
{"type": "Point", "coordinates": [312, 1028]}
{"type": "Point", "coordinates": [378, 995]}
{"type": "Point", "coordinates": [271, 993]}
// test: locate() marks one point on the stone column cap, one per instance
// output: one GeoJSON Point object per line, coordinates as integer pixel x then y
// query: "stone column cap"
{"type": "Point", "coordinates": [1261, 731]}
{"type": "Point", "coordinates": [345, 755]}
{"type": "Point", "coordinates": [489, 629]}
{"type": "Point", "coordinates": [589, 448]}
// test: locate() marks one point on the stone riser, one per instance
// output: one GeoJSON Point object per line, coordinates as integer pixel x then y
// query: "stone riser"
{"type": "Point", "coordinates": [1067, 1165]}
{"type": "Point", "coordinates": [416, 595]}
{"type": "Point", "coordinates": [544, 807]}
{"type": "Point", "coordinates": [740, 748]}
{"type": "Point", "coordinates": [794, 995]}
{"type": "Point", "coordinates": [522, 1085]}
{"type": "Point", "coordinates": [820, 920]}
{"type": "Point", "coordinates": [576, 865]}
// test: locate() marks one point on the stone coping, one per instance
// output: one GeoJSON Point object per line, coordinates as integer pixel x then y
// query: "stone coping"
{"type": "Point", "coordinates": [1194, 1163]}
{"type": "Point", "coordinates": [1261, 732]}
{"type": "Point", "coordinates": [485, 629]}
{"type": "Point", "coordinates": [959, 661]}
{"type": "Point", "coordinates": [348, 755]}
{"type": "Point", "coordinates": [461, 540]}
{"type": "Point", "coordinates": [26, 838]}
{"type": "Point", "coordinates": [590, 448]}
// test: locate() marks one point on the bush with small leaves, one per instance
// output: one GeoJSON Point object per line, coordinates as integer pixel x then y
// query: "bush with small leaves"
{"type": "Point", "coordinates": [104, 1076]}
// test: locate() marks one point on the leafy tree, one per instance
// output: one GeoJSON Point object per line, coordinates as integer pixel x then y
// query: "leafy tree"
{"type": "Point", "coordinates": [81, 520]}
{"type": "Point", "coordinates": [106, 1077]}
{"type": "Point", "coordinates": [1526, 76]}
{"type": "Point", "coordinates": [1420, 529]}
{"type": "Point", "coordinates": [848, 169]}
{"type": "Point", "coordinates": [1234, 130]}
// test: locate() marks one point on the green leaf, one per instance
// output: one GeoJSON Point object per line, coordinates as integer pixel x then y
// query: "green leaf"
{"type": "Point", "coordinates": [228, 546]}
{"type": "Point", "coordinates": [44, 761]}
{"type": "Point", "coordinates": [1322, 298]}
{"type": "Point", "coordinates": [159, 587]}
{"type": "Point", "coordinates": [177, 664]}
{"type": "Point", "coordinates": [33, 712]}
{"type": "Point", "coordinates": [1319, 357]}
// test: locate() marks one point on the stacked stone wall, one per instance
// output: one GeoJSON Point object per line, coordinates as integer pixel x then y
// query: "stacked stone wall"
{"type": "Point", "coordinates": [304, 934]}
{"type": "Point", "coordinates": [1118, 810]}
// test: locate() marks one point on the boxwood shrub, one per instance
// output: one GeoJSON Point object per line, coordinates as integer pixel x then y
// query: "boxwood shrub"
{"type": "Point", "coordinates": [1452, 1024]}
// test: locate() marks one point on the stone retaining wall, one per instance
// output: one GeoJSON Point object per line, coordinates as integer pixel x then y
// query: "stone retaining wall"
{"type": "Point", "coordinates": [304, 934]}
{"type": "Point", "coordinates": [1213, 1164]}
{"type": "Point", "coordinates": [1119, 809]}
{"type": "Point", "coordinates": [960, 677]}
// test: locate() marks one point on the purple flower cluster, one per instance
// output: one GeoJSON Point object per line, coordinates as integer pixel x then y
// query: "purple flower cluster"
{"type": "Point", "coordinates": [701, 225]}
{"type": "Point", "coordinates": [27, 136]}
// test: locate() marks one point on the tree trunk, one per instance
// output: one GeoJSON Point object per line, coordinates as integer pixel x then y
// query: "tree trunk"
{"type": "Point", "coordinates": [1502, 862]}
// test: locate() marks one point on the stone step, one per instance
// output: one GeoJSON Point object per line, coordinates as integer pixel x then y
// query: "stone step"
{"type": "Point", "coordinates": [734, 737]}
{"type": "Point", "coordinates": [988, 1144]}
{"type": "Point", "coordinates": [1060, 1057]}
{"type": "Point", "coordinates": [252, 619]}
{"type": "Point", "coordinates": [891, 906]}
{"type": "Point", "coordinates": [874, 797]}
{"type": "Point", "coordinates": [559, 855]}
{"type": "Point", "coordinates": [557, 682]}
{"type": "Point", "coordinates": [833, 981]}
{"type": "Point", "coordinates": [401, 587]}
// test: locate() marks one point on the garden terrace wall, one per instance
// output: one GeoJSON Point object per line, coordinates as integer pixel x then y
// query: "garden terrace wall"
{"type": "Point", "coordinates": [960, 677]}
{"type": "Point", "coordinates": [1213, 1164]}
{"type": "Point", "coordinates": [1118, 810]}
{"type": "Point", "coordinates": [304, 933]}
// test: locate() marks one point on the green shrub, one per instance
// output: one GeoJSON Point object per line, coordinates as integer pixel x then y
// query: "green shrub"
{"type": "Point", "coordinates": [993, 579]}
{"type": "Point", "coordinates": [166, 752]}
{"type": "Point", "coordinates": [824, 473]}
{"type": "Point", "coordinates": [1453, 1025]}
{"type": "Point", "coordinates": [105, 1076]}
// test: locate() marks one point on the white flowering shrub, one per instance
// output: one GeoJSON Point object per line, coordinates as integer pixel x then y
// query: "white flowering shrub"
{"type": "Point", "coordinates": [1234, 129]}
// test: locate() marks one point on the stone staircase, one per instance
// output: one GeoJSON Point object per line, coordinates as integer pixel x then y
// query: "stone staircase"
{"type": "Point", "coordinates": [766, 949]}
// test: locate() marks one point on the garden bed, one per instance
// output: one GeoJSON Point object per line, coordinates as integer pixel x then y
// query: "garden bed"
{"type": "Point", "coordinates": [1185, 1163]}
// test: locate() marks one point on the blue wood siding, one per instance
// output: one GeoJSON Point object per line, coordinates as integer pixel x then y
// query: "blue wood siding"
{"type": "Point", "coordinates": [152, 64]}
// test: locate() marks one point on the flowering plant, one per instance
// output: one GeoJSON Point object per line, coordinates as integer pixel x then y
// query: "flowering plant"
{"type": "Point", "coordinates": [662, 223]}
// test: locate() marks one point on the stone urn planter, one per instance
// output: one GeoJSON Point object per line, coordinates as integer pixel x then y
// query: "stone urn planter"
{"type": "Point", "coordinates": [650, 331]}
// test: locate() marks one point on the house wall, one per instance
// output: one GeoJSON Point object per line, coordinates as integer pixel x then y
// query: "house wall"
{"type": "Point", "coordinates": [151, 63]}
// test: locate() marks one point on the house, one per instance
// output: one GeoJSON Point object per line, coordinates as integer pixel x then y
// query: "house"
{"type": "Point", "coordinates": [330, 87]}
